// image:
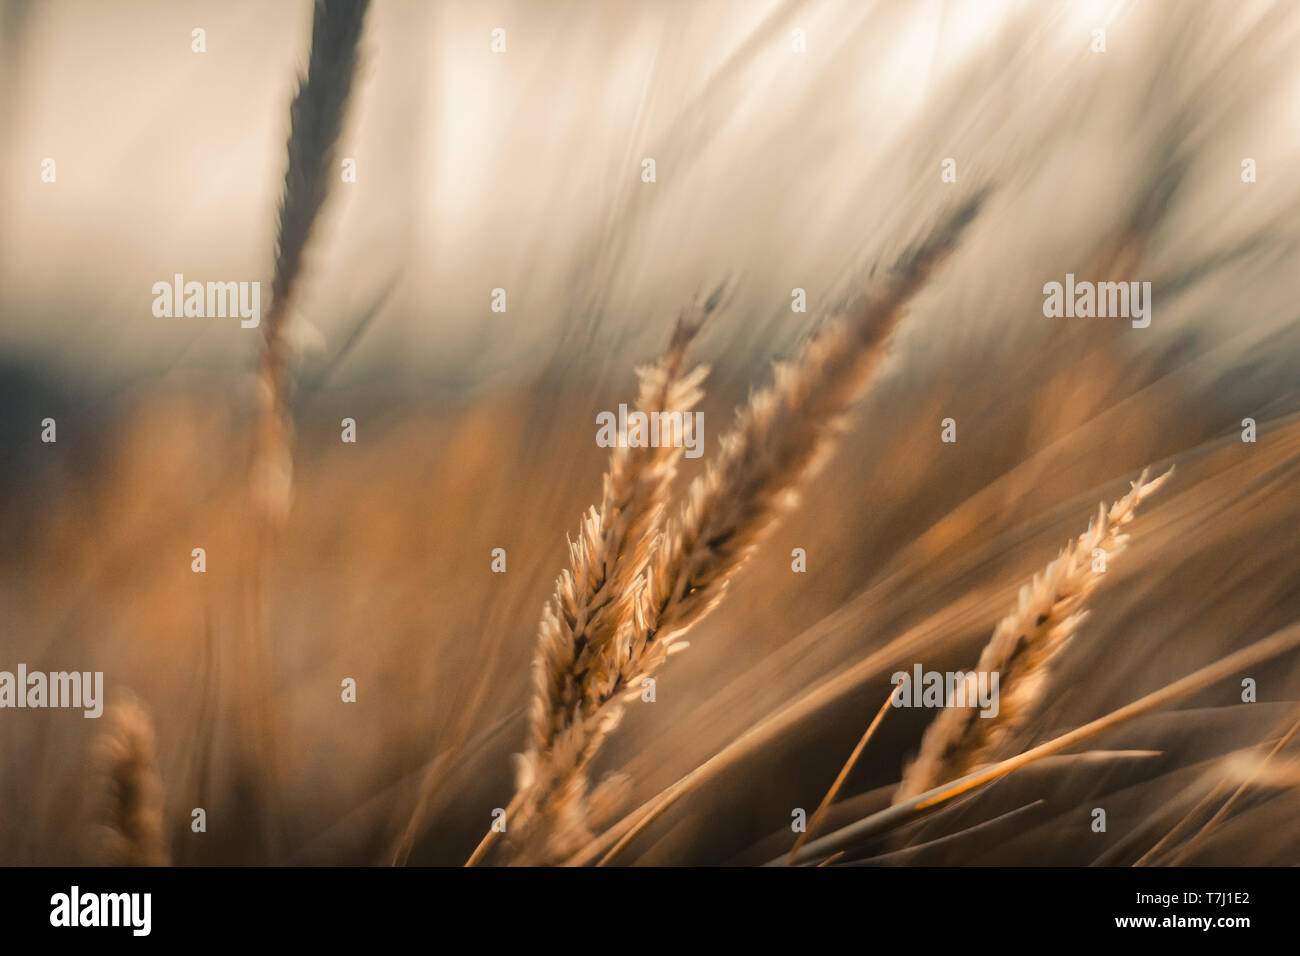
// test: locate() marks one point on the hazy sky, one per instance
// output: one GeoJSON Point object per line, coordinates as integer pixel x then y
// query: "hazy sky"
{"type": "Point", "coordinates": [521, 170]}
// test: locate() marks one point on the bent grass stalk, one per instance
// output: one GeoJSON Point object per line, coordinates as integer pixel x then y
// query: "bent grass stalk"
{"type": "Point", "coordinates": [592, 596]}
{"type": "Point", "coordinates": [1280, 642]}
{"type": "Point", "coordinates": [1024, 644]}
{"type": "Point", "coordinates": [1200, 836]}
{"type": "Point", "coordinates": [834, 787]}
{"type": "Point", "coordinates": [768, 729]}
{"type": "Point", "coordinates": [780, 440]}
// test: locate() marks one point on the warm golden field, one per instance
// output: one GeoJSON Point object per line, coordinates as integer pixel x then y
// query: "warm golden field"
{"type": "Point", "coordinates": [475, 432]}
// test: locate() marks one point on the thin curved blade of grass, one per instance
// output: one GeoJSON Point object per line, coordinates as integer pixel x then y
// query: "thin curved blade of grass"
{"type": "Point", "coordinates": [993, 827]}
{"type": "Point", "coordinates": [1198, 838]}
{"type": "Point", "coordinates": [834, 790]}
{"type": "Point", "coordinates": [1279, 643]}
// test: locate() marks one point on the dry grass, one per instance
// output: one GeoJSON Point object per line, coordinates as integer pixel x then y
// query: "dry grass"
{"type": "Point", "coordinates": [1048, 612]}
{"type": "Point", "coordinates": [674, 578]}
{"type": "Point", "coordinates": [316, 118]}
{"type": "Point", "coordinates": [1284, 641]}
{"type": "Point", "coordinates": [316, 122]}
{"type": "Point", "coordinates": [131, 821]}
{"type": "Point", "coordinates": [593, 596]}
{"type": "Point", "coordinates": [913, 545]}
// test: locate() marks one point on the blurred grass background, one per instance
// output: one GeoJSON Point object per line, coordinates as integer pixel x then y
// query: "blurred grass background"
{"type": "Point", "coordinates": [475, 429]}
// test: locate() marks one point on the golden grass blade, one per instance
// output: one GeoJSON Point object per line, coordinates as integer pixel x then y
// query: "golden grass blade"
{"type": "Point", "coordinates": [909, 853]}
{"type": "Point", "coordinates": [1198, 838]}
{"type": "Point", "coordinates": [834, 790]}
{"type": "Point", "coordinates": [1185, 823]}
{"type": "Point", "coordinates": [1280, 642]}
{"type": "Point", "coordinates": [428, 783]}
{"type": "Point", "coordinates": [767, 729]}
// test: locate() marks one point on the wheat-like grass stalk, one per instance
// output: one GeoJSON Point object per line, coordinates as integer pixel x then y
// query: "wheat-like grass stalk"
{"type": "Point", "coordinates": [132, 811]}
{"type": "Point", "coordinates": [315, 123]}
{"type": "Point", "coordinates": [781, 437]}
{"type": "Point", "coordinates": [1024, 644]}
{"type": "Point", "coordinates": [316, 120]}
{"type": "Point", "coordinates": [593, 595]}
{"type": "Point", "coordinates": [780, 440]}
{"type": "Point", "coordinates": [854, 834]}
